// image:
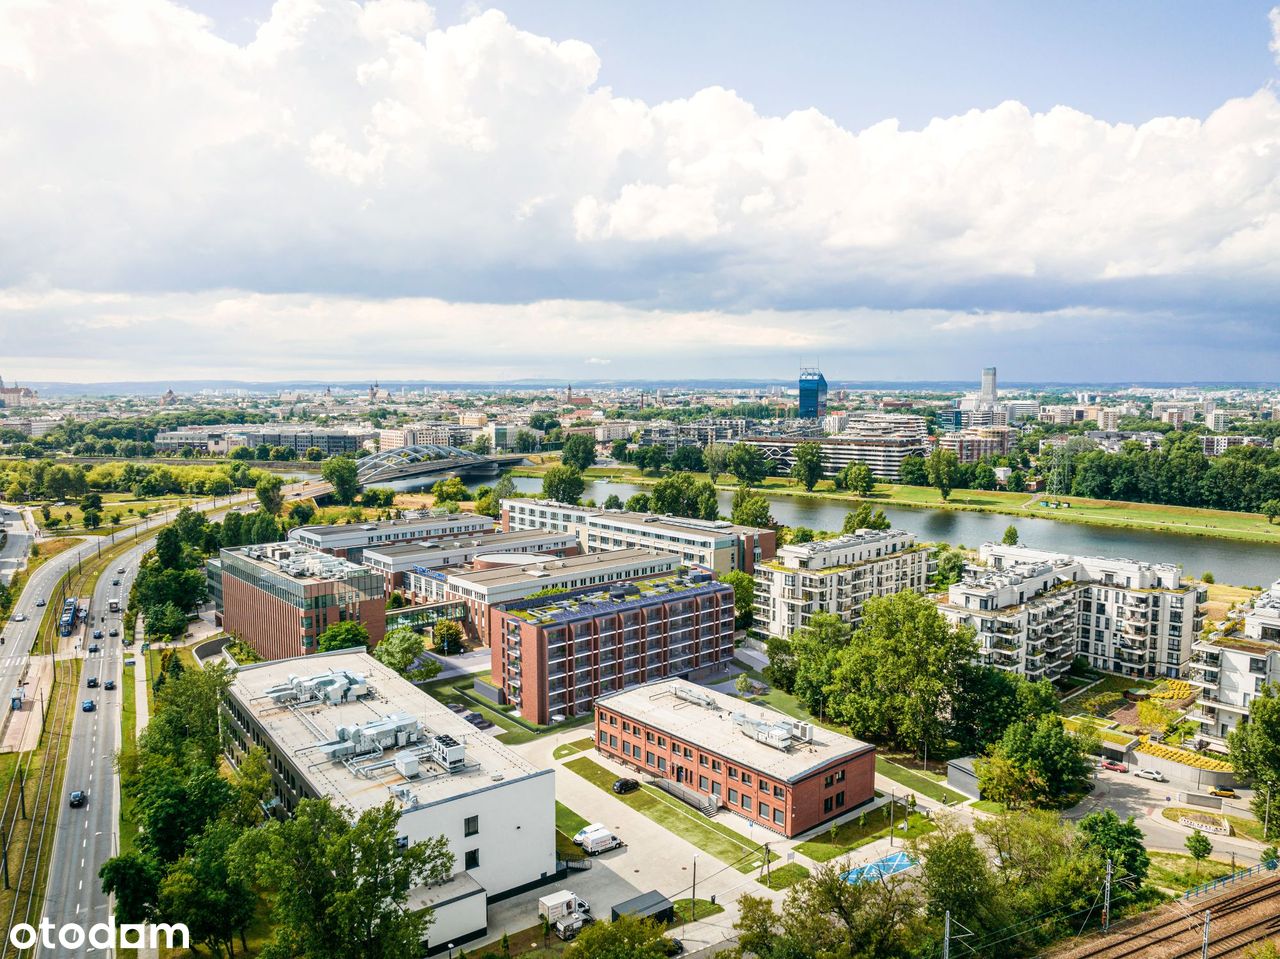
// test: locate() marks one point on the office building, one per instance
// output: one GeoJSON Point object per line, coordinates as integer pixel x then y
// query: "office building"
{"type": "Point", "coordinates": [1062, 415]}
{"type": "Point", "coordinates": [975, 444]}
{"type": "Point", "coordinates": [880, 441]}
{"type": "Point", "coordinates": [1232, 665]}
{"type": "Point", "coordinates": [1128, 617]}
{"type": "Point", "coordinates": [1016, 411]}
{"type": "Point", "coordinates": [495, 579]}
{"type": "Point", "coordinates": [989, 394]}
{"type": "Point", "coordinates": [716, 545]}
{"type": "Point", "coordinates": [280, 597]}
{"type": "Point", "coordinates": [813, 394]}
{"type": "Point", "coordinates": [837, 576]}
{"type": "Point", "coordinates": [345, 727]}
{"type": "Point", "coordinates": [350, 540]}
{"type": "Point", "coordinates": [224, 438]}
{"type": "Point", "coordinates": [397, 561]}
{"type": "Point", "coordinates": [552, 656]}
{"type": "Point", "coordinates": [776, 772]}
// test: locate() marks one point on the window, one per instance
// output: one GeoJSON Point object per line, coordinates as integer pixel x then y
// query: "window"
{"type": "Point", "coordinates": [764, 786]}
{"type": "Point", "coordinates": [746, 779]}
{"type": "Point", "coordinates": [733, 796]}
{"type": "Point", "coordinates": [648, 736]}
{"type": "Point", "coordinates": [648, 758]}
{"type": "Point", "coordinates": [777, 816]}
{"type": "Point", "coordinates": [746, 802]}
{"type": "Point", "coordinates": [662, 765]}
{"type": "Point", "coordinates": [688, 753]}
{"type": "Point", "coordinates": [702, 760]}
{"type": "Point", "coordinates": [662, 742]}
{"type": "Point", "coordinates": [779, 792]}
{"type": "Point", "coordinates": [402, 842]}
{"type": "Point", "coordinates": [626, 726]}
{"type": "Point", "coordinates": [472, 859]}
{"type": "Point", "coordinates": [827, 804]}
{"type": "Point", "coordinates": [840, 776]}
{"type": "Point", "coordinates": [715, 765]}
{"type": "Point", "coordinates": [604, 737]}
{"type": "Point", "coordinates": [828, 782]}
{"type": "Point", "coordinates": [715, 789]}
{"type": "Point", "coordinates": [764, 810]}
{"type": "Point", "coordinates": [613, 720]}
{"type": "Point", "coordinates": [840, 799]}
{"type": "Point", "coordinates": [703, 784]}
{"type": "Point", "coordinates": [613, 742]}
{"type": "Point", "coordinates": [471, 825]}
{"type": "Point", "coordinates": [733, 772]}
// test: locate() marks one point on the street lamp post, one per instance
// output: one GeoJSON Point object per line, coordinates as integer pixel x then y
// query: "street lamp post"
{"type": "Point", "coordinates": [693, 902]}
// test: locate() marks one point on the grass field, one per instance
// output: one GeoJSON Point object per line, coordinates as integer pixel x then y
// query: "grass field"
{"type": "Point", "coordinates": [126, 504]}
{"type": "Point", "coordinates": [784, 877]}
{"type": "Point", "coordinates": [915, 781]}
{"type": "Point", "coordinates": [1222, 598]}
{"type": "Point", "coordinates": [1178, 873]}
{"type": "Point", "coordinates": [569, 749]}
{"type": "Point", "coordinates": [833, 843]}
{"type": "Point", "coordinates": [685, 910]}
{"type": "Point", "coordinates": [128, 750]}
{"type": "Point", "coordinates": [1250, 828]}
{"type": "Point", "coordinates": [1108, 684]}
{"type": "Point", "coordinates": [673, 815]}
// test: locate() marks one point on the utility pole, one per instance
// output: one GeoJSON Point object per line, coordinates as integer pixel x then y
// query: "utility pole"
{"type": "Point", "coordinates": [693, 902]}
{"type": "Point", "coordinates": [1204, 945]}
{"type": "Point", "coordinates": [946, 936]}
{"type": "Point", "coordinates": [1106, 900]}
{"type": "Point", "coordinates": [1266, 817]}
{"type": "Point", "coordinates": [22, 792]}
{"type": "Point", "coordinates": [893, 799]}
{"type": "Point", "coordinates": [768, 873]}
{"type": "Point", "coordinates": [4, 855]}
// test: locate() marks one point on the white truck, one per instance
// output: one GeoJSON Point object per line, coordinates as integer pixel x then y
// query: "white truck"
{"type": "Point", "coordinates": [597, 842]}
{"type": "Point", "coordinates": [586, 831]}
{"type": "Point", "coordinates": [557, 905]}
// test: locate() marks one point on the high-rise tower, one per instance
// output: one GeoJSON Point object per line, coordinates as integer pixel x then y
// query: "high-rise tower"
{"type": "Point", "coordinates": [813, 394]}
{"type": "Point", "coordinates": [989, 392]}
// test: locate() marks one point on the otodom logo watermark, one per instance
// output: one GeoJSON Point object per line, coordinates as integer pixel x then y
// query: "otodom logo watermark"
{"type": "Point", "coordinates": [101, 935]}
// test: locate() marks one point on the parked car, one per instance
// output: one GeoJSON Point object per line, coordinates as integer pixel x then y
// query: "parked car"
{"type": "Point", "coordinates": [483, 723]}
{"type": "Point", "coordinates": [78, 798]}
{"type": "Point", "coordinates": [1224, 793]}
{"type": "Point", "coordinates": [457, 708]}
{"type": "Point", "coordinates": [624, 786]}
{"type": "Point", "coordinates": [1155, 775]}
{"type": "Point", "coordinates": [88, 706]}
{"type": "Point", "coordinates": [598, 842]}
{"type": "Point", "coordinates": [93, 682]}
{"type": "Point", "coordinates": [674, 946]}
{"type": "Point", "coordinates": [109, 684]}
{"type": "Point", "coordinates": [472, 718]}
{"type": "Point", "coordinates": [1113, 766]}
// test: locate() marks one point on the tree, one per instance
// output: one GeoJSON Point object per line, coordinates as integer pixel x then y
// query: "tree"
{"type": "Point", "coordinates": [639, 503]}
{"type": "Point", "coordinates": [807, 467]}
{"type": "Point", "coordinates": [688, 459]}
{"type": "Point", "coordinates": [856, 478]}
{"type": "Point", "coordinates": [742, 684]}
{"type": "Point", "coordinates": [92, 519]}
{"type": "Point", "coordinates": [715, 459]}
{"type": "Point", "coordinates": [1199, 846]}
{"type": "Point", "coordinates": [241, 453]}
{"type": "Point", "coordinates": [991, 699]}
{"type": "Point", "coordinates": [314, 454]}
{"type": "Point", "coordinates": [1254, 749]}
{"type": "Point", "coordinates": [1017, 481]}
{"type": "Point", "coordinates": [684, 495]}
{"type": "Point", "coordinates": [202, 891]}
{"type": "Point", "coordinates": [1119, 840]}
{"type": "Point", "coordinates": [447, 636]}
{"type": "Point", "coordinates": [618, 450]}
{"type": "Point", "coordinates": [942, 467]}
{"type": "Point", "coordinates": [302, 512]}
{"type": "Point", "coordinates": [383, 497]}
{"type": "Point", "coordinates": [650, 459]}
{"type": "Point", "coordinates": [957, 878]}
{"type": "Point", "coordinates": [984, 477]}
{"type": "Point", "coordinates": [134, 880]}
{"type": "Point", "coordinates": [1010, 537]}
{"type": "Point", "coordinates": [750, 509]}
{"type": "Point", "coordinates": [579, 451]}
{"type": "Point", "coordinates": [526, 441]}
{"type": "Point", "coordinates": [951, 565]}
{"type": "Point", "coordinates": [340, 473]}
{"type": "Point", "coordinates": [401, 649]}
{"type": "Point", "coordinates": [746, 462]}
{"type": "Point", "coordinates": [165, 621]}
{"type": "Point", "coordinates": [451, 490]}
{"type": "Point", "coordinates": [744, 595]}
{"type": "Point", "coordinates": [563, 484]}
{"type": "Point", "coordinates": [1270, 509]}
{"type": "Point", "coordinates": [169, 548]}
{"type": "Point", "coordinates": [269, 495]}
{"type": "Point", "coordinates": [912, 471]}
{"type": "Point", "coordinates": [1054, 764]}
{"type": "Point", "coordinates": [627, 937]}
{"type": "Point", "coordinates": [338, 885]}
{"type": "Point", "coordinates": [864, 518]}
{"type": "Point", "coordinates": [1207, 577]}
{"type": "Point", "coordinates": [347, 634]}
{"type": "Point", "coordinates": [482, 444]}
{"type": "Point", "coordinates": [613, 501]}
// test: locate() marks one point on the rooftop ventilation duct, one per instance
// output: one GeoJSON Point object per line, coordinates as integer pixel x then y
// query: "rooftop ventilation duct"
{"type": "Point", "coordinates": [691, 694]}
{"type": "Point", "coordinates": [777, 735]}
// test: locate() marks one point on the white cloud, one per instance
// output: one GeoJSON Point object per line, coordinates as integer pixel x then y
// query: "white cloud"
{"type": "Point", "coordinates": [1274, 17]}
{"type": "Point", "coordinates": [364, 148]}
{"type": "Point", "coordinates": [597, 361]}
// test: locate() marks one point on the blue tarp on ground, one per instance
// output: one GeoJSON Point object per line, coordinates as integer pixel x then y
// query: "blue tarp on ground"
{"type": "Point", "coordinates": [888, 866]}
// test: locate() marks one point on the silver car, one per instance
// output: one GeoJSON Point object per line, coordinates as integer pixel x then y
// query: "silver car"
{"type": "Point", "coordinates": [1155, 775]}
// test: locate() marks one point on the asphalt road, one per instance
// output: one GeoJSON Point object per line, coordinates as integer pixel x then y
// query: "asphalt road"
{"type": "Point", "coordinates": [13, 522]}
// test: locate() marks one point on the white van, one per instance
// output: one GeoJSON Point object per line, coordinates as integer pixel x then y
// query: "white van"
{"type": "Point", "coordinates": [598, 842]}
{"type": "Point", "coordinates": [586, 831]}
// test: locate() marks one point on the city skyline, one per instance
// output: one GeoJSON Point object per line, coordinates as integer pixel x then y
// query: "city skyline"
{"type": "Point", "coordinates": [283, 192]}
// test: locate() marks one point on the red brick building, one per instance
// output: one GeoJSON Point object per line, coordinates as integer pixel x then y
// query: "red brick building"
{"type": "Point", "coordinates": [780, 774]}
{"type": "Point", "coordinates": [280, 597]}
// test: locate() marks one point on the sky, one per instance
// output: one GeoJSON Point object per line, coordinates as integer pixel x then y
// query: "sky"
{"type": "Point", "coordinates": [235, 189]}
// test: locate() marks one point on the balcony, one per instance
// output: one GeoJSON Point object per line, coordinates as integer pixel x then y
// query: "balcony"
{"type": "Point", "coordinates": [1213, 702]}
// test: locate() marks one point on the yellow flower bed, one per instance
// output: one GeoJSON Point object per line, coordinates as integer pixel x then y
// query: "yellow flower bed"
{"type": "Point", "coordinates": [1172, 689]}
{"type": "Point", "coordinates": [1172, 753]}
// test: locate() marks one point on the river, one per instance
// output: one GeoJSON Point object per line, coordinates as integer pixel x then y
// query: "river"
{"type": "Point", "coordinates": [1231, 561]}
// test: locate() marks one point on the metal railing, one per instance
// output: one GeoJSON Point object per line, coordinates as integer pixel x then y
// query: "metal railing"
{"type": "Point", "coordinates": [1208, 887]}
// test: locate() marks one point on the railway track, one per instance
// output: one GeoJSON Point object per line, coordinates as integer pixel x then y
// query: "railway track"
{"type": "Point", "coordinates": [1226, 941]}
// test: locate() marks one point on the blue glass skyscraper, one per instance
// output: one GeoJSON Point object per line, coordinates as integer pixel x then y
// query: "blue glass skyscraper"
{"type": "Point", "coordinates": [813, 394]}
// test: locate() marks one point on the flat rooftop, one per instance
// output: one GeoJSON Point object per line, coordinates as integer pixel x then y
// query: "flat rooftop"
{"type": "Point", "coordinates": [298, 562]}
{"type": "Point", "coordinates": [366, 780]}
{"type": "Point", "coordinates": [337, 530]}
{"type": "Point", "coordinates": [683, 524]}
{"type": "Point", "coordinates": [466, 540]}
{"type": "Point", "coordinates": [536, 570]}
{"type": "Point", "coordinates": [579, 604]}
{"type": "Point", "coordinates": [709, 723]}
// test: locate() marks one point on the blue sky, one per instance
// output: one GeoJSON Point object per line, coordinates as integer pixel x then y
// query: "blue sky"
{"type": "Point", "coordinates": [577, 189]}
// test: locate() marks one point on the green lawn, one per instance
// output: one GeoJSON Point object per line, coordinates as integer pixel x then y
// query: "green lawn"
{"type": "Point", "coordinates": [1250, 828]}
{"type": "Point", "coordinates": [128, 749]}
{"type": "Point", "coordinates": [577, 746]}
{"type": "Point", "coordinates": [990, 806]}
{"type": "Point", "coordinates": [1178, 873]}
{"type": "Point", "coordinates": [454, 690]}
{"type": "Point", "coordinates": [783, 877]}
{"type": "Point", "coordinates": [708, 835]}
{"type": "Point", "coordinates": [568, 821]}
{"type": "Point", "coordinates": [915, 781]}
{"type": "Point", "coordinates": [120, 503]}
{"type": "Point", "coordinates": [864, 829]}
{"type": "Point", "coordinates": [1108, 684]}
{"type": "Point", "coordinates": [685, 912]}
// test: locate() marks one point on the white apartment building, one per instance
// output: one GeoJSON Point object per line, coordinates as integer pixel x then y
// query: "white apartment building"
{"type": "Point", "coordinates": [837, 576]}
{"type": "Point", "coordinates": [1233, 664]}
{"type": "Point", "coordinates": [1218, 420]}
{"type": "Point", "coordinates": [1109, 419]}
{"type": "Point", "coordinates": [350, 540]}
{"type": "Point", "coordinates": [880, 441]}
{"type": "Point", "coordinates": [1219, 443]}
{"type": "Point", "coordinates": [422, 434]}
{"type": "Point", "coordinates": [343, 725]}
{"type": "Point", "coordinates": [716, 545]}
{"type": "Point", "coordinates": [1133, 618]}
{"type": "Point", "coordinates": [1061, 415]}
{"type": "Point", "coordinates": [974, 444]}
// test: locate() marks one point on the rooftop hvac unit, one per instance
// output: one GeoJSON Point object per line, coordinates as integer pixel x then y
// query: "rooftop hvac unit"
{"type": "Point", "coordinates": [691, 694]}
{"type": "Point", "coordinates": [803, 732]}
{"type": "Point", "coordinates": [777, 735]}
{"type": "Point", "coordinates": [406, 764]}
{"type": "Point", "coordinates": [448, 752]}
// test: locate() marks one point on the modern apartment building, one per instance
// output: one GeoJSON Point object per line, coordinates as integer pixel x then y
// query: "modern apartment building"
{"type": "Point", "coordinates": [1217, 444]}
{"type": "Point", "coordinates": [496, 579]}
{"type": "Point", "coordinates": [1133, 618]}
{"type": "Point", "coordinates": [397, 561]}
{"type": "Point", "coordinates": [973, 445]}
{"type": "Point", "coordinates": [813, 394]}
{"type": "Point", "coordinates": [717, 545]}
{"type": "Point", "coordinates": [280, 597]}
{"type": "Point", "coordinates": [1233, 664]}
{"type": "Point", "coordinates": [774, 771]}
{"type": "Point", "coordinates": [424, 434]}
{"type": "Point", "coordinates": [880, 441]}
{"type": "Point", "coordinates": [345, 727]}
{"type": "Point", "coordinates": [350, 540]}
{"type": "Point", "coordinates": [1109, 419]}
{"type": "Point", "coordinates": [552, 656]}
{"type": "Point", "coordinates": [837, 576]}
{"type": "Point", "coordinates": [223, 438]}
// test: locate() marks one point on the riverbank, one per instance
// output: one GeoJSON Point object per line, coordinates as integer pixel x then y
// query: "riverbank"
{"type": "Point", "coordinates": [1148, 517]}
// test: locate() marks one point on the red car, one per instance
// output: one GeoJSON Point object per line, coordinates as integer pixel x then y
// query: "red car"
{"type": "Point", "coordinates": [1113, 766]}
